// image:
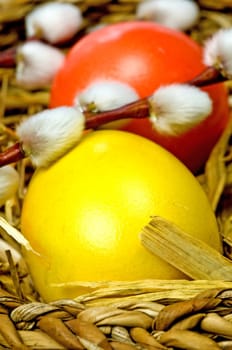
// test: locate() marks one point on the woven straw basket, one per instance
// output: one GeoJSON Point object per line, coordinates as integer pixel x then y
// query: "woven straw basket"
{"type": "Point", "coordinates": [152, 314]}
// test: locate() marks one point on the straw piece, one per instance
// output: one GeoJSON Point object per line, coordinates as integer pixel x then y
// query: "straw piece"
{"type": "Point", "coordinates": [121, 334]}
{"type": "Point", "coordinates": [225, 344]}
{"type": "Point", "coordinates": [188, 340]}
{"type": "Point", "coordinates": [216, 4]}
{"type": "Point", "coordinates": [189, 322]}
{"type": "Point", "coordinates": [9, 300]}
{"type": "Point", "coordinates": [89, 332]}
{"type": "Point", "coordinates": [97, 314]}
{"type": "Point", "coordinates": [88, 345]}
{"type": "Point", "coordinates": [17, 98]}
{"type": "Point", "coordinates": [9, 333]}
{"type": "Point", "coordinates": [222, 20]}
{"type": "Point", "coordinates": [105, 329]}
{"type": "Point", "coordinates": [9, 39]}
{"type": "Point", "coordinates": [7, 15]}
{"type": "Point", "coordinates": [224, 210]}
{"type": "Point", "coordinates": [151, 347]}
{"type": "Point", "coordinates": [186, 253]}
{"type": "Point", "coordinates": [213, 323]}
{"type": "Point", "coordinates": [58, 331]}
{"type": "Point", "coordinates": [30, 311]}
{"type": "Point", "coordinates": [140, 335]}
{"type": "Point", "coordinates": [153, 307]}
{"type": "Point", "coordinates": [15, 234]}
{"type": "Point", "coordinates": [121, 346]}
{"type": "Point", "coordinates": [172, 313]}
{"type": "Point", "coordinates": [39, 340]}
{"type": "Point", "coordinates": [128, 319]}
{"type": "Point", "coordinates": [215, 169]}
{"type": "Point", "coordinates": [14, 274]}
{"type": "Point", "coordinates": [118, 293]}
{"type": "Point", "coordinates": [69, 306]}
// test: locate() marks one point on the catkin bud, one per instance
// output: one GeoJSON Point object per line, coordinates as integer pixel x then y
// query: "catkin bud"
{"type": "Point", "coordinates": [9, 181]}
{"type": "Point", "coordinates": [177, 14]}
{"type": "Point", "coordinates": [218, 53]}
{"type": "Point", "coordinates": [54, 22]}
{"type": "Point", "coordinates": [48, 135]}
{"type": "Point", "coordinates": [37, 63]}
{"type": "Point", "coordinates": [177, 108]}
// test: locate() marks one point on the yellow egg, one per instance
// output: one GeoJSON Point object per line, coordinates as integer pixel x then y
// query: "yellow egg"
{"type": "Point", "coordinates": [84, 214]}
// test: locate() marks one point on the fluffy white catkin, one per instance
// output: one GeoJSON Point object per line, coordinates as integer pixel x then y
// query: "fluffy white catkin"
{"type": "Point", "coordinates": [9, 182]}
{"type": "Point", "coordinates": [48, 135]}
{"type": "Point", "coordinates": [177, 14]}
{"type": "Point", "coordinates": [104, 95]}
{"type": "Point", "coordinates": [54, 21]}
{"type": "Point", "coordinates": [37, 64]}
{"type": "Point", "coordinates": [178, 108]}
{"type": "Point", "coordinates": [218, 52]}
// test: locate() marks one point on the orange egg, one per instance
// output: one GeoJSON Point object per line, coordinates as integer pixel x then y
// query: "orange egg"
{"type": "Point", "coordinates": [144, 55]}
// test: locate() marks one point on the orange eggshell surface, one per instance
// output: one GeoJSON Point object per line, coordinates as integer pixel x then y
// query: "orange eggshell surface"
{"type": "Point", "coordinates": [144, 55]}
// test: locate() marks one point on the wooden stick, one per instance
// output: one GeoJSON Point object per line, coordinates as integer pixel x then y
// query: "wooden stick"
{"type": "Point", "coordinates": [188, 254]}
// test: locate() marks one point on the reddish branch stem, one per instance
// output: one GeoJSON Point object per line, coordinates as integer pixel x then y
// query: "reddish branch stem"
{"type": "Point", "coordinates": [137, 109]}
{"type": "Point", "coordinates": [209, 76]}
{"type": "Point", "coordinates": [8, 58]}
{"type": "Point", "coordinates": [12, 154]}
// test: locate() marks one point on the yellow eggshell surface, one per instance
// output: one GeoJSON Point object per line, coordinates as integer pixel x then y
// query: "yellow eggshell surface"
{"type": "Point", "coordinates": [83, 215]}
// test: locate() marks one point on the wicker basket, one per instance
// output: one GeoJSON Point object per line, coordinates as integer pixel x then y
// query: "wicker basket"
{"type": "Point", "coordinates": [142, 314]}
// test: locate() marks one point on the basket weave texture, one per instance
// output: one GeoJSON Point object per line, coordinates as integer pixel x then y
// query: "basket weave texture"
{"type": "Point", "coordinates": [137, 315]}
